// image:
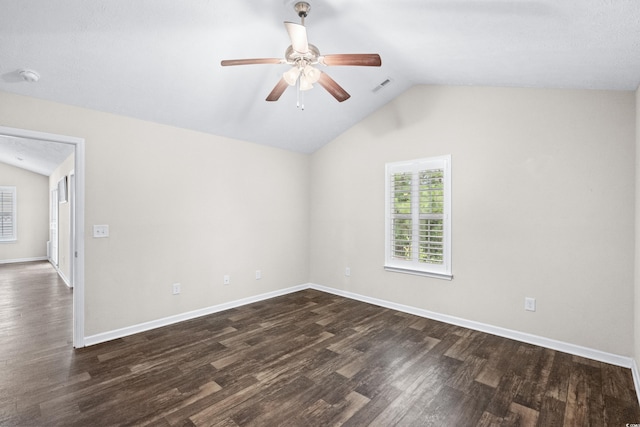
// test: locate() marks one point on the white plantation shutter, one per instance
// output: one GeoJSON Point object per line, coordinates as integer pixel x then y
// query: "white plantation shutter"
{"type": "Point", "coordinates": [401, 215]}
{"type": "Point", "coordinates": [418, 217]}
{"type": "Point", "coordinates": [432, 216]}
{"type": "Point", "coordinates": [7, 214]}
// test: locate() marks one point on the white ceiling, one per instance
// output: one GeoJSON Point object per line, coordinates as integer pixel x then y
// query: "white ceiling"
{"type": "Point", "coordinates": [42, 157]}
{"type": "Point", "coordinates": [159, 60]}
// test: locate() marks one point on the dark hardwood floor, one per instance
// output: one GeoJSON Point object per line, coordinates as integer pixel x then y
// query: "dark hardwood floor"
{"type": "Point", "coordinates": [304, 359]}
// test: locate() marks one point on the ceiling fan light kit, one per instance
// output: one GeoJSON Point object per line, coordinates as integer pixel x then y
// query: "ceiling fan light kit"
{"type": "Point", "coordinates": [302, 56]}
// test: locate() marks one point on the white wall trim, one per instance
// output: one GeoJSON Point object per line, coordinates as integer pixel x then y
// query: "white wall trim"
{"type": "Point", "coordinates": [141, 327]}
{"type": "Point", "coordinates": [64, 278]}
{"type": "Point", "coordinates": [636, 377]}
{"type": "Point", "coordinates": [589, 353]}
{"type": "Point", "coordinates": [61, 274]}
{"type": "Point", "coordinates": [11, 261]}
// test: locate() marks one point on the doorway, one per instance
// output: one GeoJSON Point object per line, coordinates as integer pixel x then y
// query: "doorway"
{"type": "Point", "coordinates": [77, 224]}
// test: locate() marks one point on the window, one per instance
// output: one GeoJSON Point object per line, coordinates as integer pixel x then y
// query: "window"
{"type": "Point", "coordinates": [7, 214]}
{"type": "Point", "coordinates": [418, 217]}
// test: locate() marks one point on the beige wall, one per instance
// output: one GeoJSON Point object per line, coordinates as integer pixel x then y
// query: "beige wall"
{"type": "Point", "coordinates": [32, 214]}
{"type": "Point", "coordinates": [64, 217]}
{"type": "Point", "coordinates": [182, 206]}
{"type": "Point", "coordinates": [543, 205]}
{"type": "Point", "coordinates": [543, 201]}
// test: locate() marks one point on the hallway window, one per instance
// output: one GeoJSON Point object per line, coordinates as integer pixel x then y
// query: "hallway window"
{"type": "Point", "coordinates": [8, 214]}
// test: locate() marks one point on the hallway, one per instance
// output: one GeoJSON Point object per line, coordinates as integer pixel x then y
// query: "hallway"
{"type": "Point", "coordinates": [35, 329]}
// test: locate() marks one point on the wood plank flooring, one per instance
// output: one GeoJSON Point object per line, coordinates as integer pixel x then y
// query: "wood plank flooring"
{"type": "Point", "coordinates": [304, 359]}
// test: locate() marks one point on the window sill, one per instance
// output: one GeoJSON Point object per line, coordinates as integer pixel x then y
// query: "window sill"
{"type": "Point", "coordinates": [419, 273]}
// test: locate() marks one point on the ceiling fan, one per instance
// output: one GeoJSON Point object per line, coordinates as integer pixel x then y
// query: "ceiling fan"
{"type": "Point", "coordinates": [302, 56]}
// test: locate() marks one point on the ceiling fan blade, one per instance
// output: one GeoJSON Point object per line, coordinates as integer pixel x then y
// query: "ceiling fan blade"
{"type": "Point", "coordinates": [333, 88]}
{"type": "Point", "coordinates": [359, 59]}
{"type": "Point", "coordinates": [278, 90]}
{"type": "Point", "coordinates": [251, 61]}
{"type": "Point", "coordinates": [298, 36]}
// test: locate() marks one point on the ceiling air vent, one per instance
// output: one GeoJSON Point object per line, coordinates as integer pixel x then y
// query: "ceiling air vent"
{"type": "Point", "coordinates": [381, 85]}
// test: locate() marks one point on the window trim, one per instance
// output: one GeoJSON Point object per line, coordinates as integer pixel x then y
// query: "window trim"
{"type": "Point", "coordinates": [14, 236]}
{"type": "Point", "coordinates": [442, 271]}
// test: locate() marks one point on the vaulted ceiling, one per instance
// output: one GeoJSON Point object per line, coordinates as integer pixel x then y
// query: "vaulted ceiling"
{"type": "Point", "coordinates": [159, 60]}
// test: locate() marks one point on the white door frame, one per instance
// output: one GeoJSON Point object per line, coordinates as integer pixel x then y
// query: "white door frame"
{"type": "Point", "coordinates": [72, 225]}
{"type": "Point", "coordinates": [54, 211]}
{"type": "Point", "coordinates": [78, 235]}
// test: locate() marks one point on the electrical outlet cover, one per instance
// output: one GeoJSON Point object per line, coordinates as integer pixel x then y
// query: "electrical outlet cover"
{"type": "Point", "coordinates": [530, 304]}
{"type": "Point", "coordinates": [100, 231]}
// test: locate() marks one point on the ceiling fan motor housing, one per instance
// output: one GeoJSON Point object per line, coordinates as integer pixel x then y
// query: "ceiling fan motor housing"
{"type": "Point", "coordinates": [311, 57]}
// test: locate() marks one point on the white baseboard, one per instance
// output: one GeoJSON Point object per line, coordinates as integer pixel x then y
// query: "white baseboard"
{"type": "Point", "coordinates": [11, 261]}
{"type": "Point", "coordinates": [636, 378]}
{"type": "Point", "coordinates": [61, 274]}
{"type": "Point", "coordinates": [64, 278]}
{"type": "Point", "coordinates": [589, 353]}
{"type": "Point", "coordinates": [141, 327]}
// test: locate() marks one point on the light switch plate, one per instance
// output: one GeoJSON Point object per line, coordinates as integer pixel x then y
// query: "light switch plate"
{"type": "Point", "coordinates": [100, 231]}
